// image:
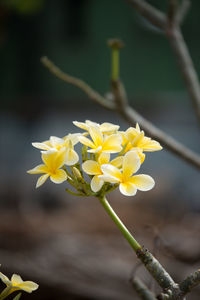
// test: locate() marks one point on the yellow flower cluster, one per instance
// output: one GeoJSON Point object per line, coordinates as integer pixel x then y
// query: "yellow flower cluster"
{"type": "Point", "coordinates": [99, 142]}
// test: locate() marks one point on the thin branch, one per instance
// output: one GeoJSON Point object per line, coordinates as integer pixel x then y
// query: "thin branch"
{"type": "Point", "coordinates": [166, 140]}
{"type": "Point", "coordinates": [175, 37]}
{"type": "Point", "coordinates": [183, 10]}
{"type": "Point", "coordinates": [156, 269]}
{"type": "Point", "coordinates": [92, 94]}
{"type": "Point", "coordinates": [142, 289]}
{"type": "Point", "coordinates": [127, 113]}
{"type": "Point", "coordinates": [190, 282]}
{"type": "Point", "coordinates": [186, 66]}
{"type": "Point", "coordinates": [153, 15]}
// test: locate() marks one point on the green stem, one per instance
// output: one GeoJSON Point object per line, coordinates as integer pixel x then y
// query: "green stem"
{"type": "Point", "coordinates": [134, 244]}
{"type": "Point", "coordinates": [115, 63]}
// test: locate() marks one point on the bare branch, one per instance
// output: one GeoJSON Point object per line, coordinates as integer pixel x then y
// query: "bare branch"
{"type": "Point", "coordinates": [183, 10]}
{"type": "Point", "coordinates": [156, 269]}
{"type": "Point", "coordinates": [133, 117]}
{"type": "Point", "coordinates": [186, 66]}
{"type": "Point", "coordinates": [171, 27]}
{"type": "Point", "coordinates": [190, 282]}
{"type": "Point", "coordinates": [153, 15]}
{"type": "Point", "coordinates": [129, 114]}
{"type": "Point", "coordinates": [142, 289]}
{"type": "Point", "coordinates": [92, 94]}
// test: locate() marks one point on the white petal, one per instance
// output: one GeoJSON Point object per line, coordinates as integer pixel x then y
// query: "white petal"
{"type": "Point", "coordinates": [56, 141]}
{"type": "Point", "coordinates": [110, 179]}
{"type": "Point", "coordinates": [41, 146]}
{"type": "Point", "coordinates": [127, 189]}
{"type": "Point", "coordinates": [109, 170]}
{"type": "Point", "coordinates": [71, 157]}
{"type": "Point", "coordinates": [16, 279]}
{"type": "Point", "coordinates": [96, 184]}
{"type": "Point", "coordinates": [143, 182]}
{"type": "Point", "coordinates": [131, 163]}
{"type": "Point", "coordinates": [41, 180]}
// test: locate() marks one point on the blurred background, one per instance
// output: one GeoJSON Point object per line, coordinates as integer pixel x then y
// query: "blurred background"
{"type": "Point", "coordinates": [69, 245]}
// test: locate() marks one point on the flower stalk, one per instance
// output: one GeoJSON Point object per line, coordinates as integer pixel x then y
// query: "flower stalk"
{"type": "Point", "coordinates": [128, 236]}
{"type": "Point", "coordinates": [115, 46]}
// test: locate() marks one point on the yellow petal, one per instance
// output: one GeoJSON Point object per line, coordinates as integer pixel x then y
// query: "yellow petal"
{"type": "Point", "coordinates": [108, 127]}
{"type": "Point", "coordinates": [137, 127]}
{"type": "Point", "coordinates": [112, 143]}
{"type": "Point", "coordinates": [41, 146]}
{"type": "Point", "coordinates": [59, 176]}
{"type": "Point", "coordinates": [111, 171]}
{"type": "Point", "coordinates": [95, 150]}
{"type": "Point", "coordinates": [38, 170]}
{"type": "Point", "coordinates": [16, 279]}
{"type": "Point", "coordinates": [131, 163]}
{"type": "Point", "coordinates": [138, 139]}
{"type": "Point", "coordinates": [80, 125]}
{"type": "Point", "coordinates": [96, 135]}
{"type": "Point", "coordinates": [71, 157]}
{"type": "Point", "coordinates": [150, 145]}
{"type": "Point", "coordinates": [131, 133]}
{"type": "Point", "coordinates": [41, 180]}
{"type": "Point", "coordinates": [103, 158]}
{"type": "Point", "coordinates": [117, 162]}
{"type": "Point", "coordinates": [96, 184]}
{"type": "Point", "coordinates": [127, 189]}
{"type": "Point", "coordinates": [143, 182]}
{"type": "Point", "coordinates": [91, 167]}
{"type": "Point", "coordinates": [28, 286]}
{"type": "Point", "coordinates": [85, 141]}
{"type": "Point", "coordinates": [48, 157]}
{"type": "Point", "coordinates": [54, 159]}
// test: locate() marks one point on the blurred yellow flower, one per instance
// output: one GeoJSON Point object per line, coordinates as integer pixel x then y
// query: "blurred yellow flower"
{"type": "Point", "coordinates": [134, 138]}
{"type": "Point", "coordinates": [66, 142]}
{"type": "Point", "coordinates": [16, 283]}
{"type": "Point", "coordinates": [128, 184]}
{"type": "Point", "coordinates": [92, 167]}
{"type": "Point", "coordinates": [105, 128]}
{"type": "Point", "coordinates": [53, 160]}
{"type": "Point", "coordinates": [101, 143]}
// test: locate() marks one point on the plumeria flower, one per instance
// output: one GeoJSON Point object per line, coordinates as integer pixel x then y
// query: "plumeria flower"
{"type": "Point", "coordinates": [16, 283]}
{"type": "Point", "coordinates": [134, 138]}
{"type": "Point", "coordinates": [53, 160]}
{"type": "Point", "coordinates": [105, 128]}
{"type": "Point", "coordinates": [128, 184]}
{"type": "Point", "coordinates": [66, 142]}
{"type": "Point", "coordinates": [101, 143]}
{"type": "Point", "coordinates": [92, 167]}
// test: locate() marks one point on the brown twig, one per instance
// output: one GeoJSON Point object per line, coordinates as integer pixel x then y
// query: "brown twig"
{"type": "Point", "coordinates": [132, 117]}
{"type": "Point", "coordinates": [142, 289]}
{"type": "Point", "coordinates": [92, 94]}
{"type": "Point", "coordinates": [153, 15]}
